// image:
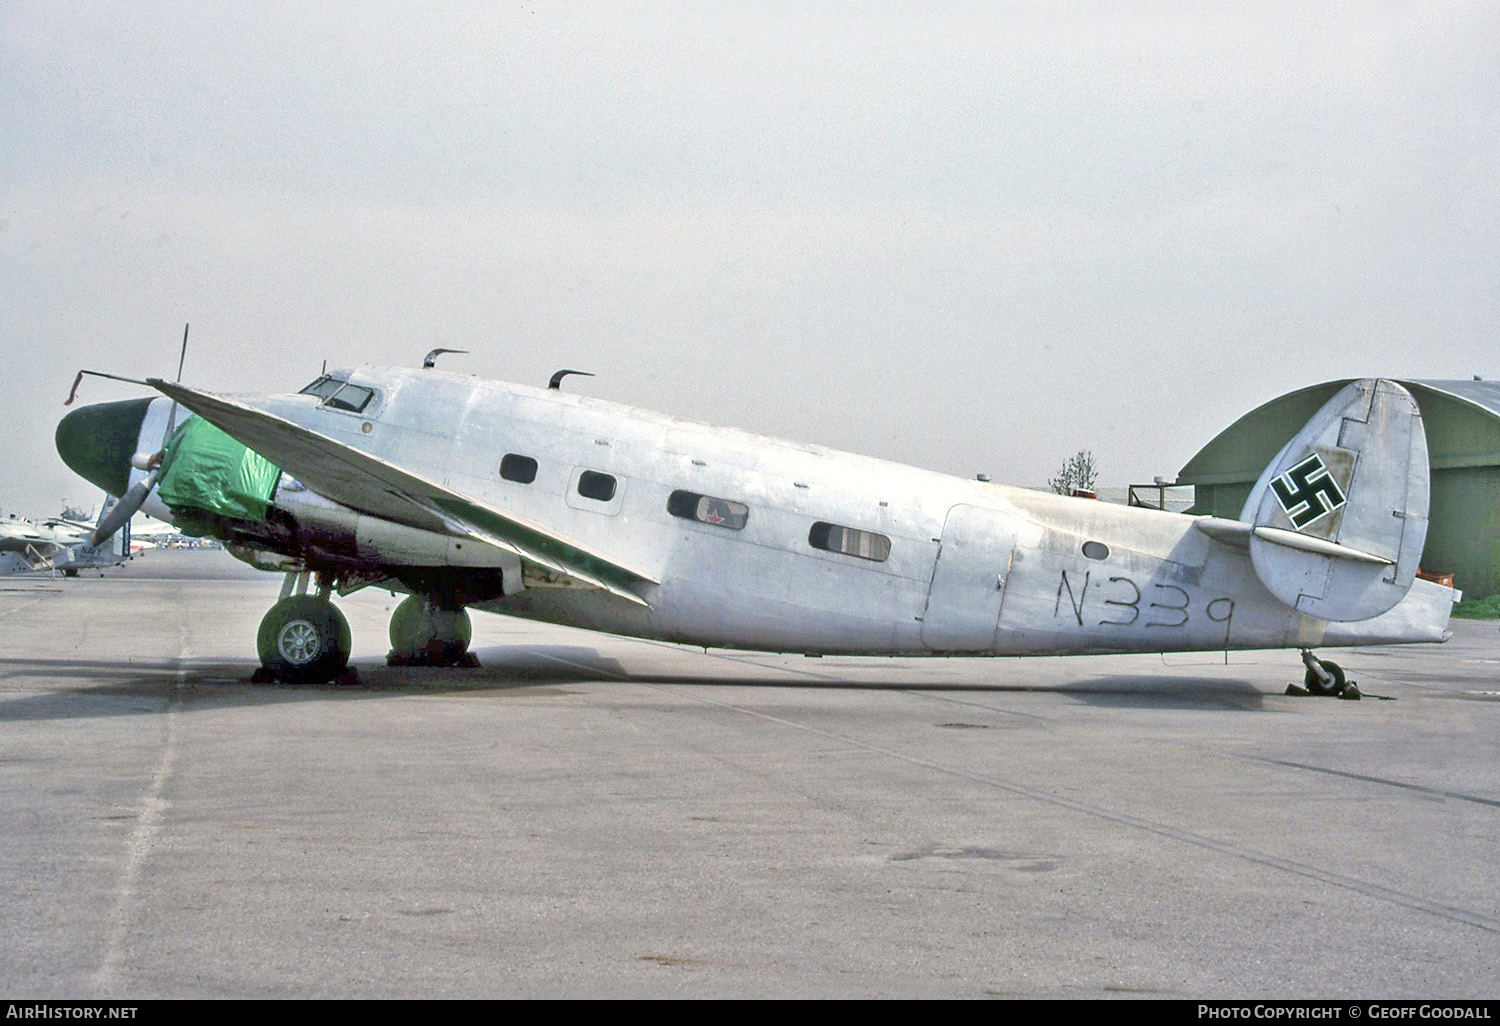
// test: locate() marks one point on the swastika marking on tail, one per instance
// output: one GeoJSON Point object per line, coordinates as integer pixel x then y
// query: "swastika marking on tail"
{"type": "Point", "coordinates": [1307, 492]}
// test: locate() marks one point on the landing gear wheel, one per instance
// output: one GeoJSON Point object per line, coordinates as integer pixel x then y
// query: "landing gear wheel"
{"type": "Point", "coordinates": [303, 640]}
{"type": "Point", "coordinates": [1315, 684]}
{"type": "Point", "coordinates": [424, 634]}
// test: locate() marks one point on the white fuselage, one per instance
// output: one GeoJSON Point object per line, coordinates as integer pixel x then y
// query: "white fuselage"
{"type": "Point", "coordinates": [972, 567]}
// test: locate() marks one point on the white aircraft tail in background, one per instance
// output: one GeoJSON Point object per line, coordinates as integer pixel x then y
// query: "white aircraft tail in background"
{"type": "Point", "coordinates": [58, 545]}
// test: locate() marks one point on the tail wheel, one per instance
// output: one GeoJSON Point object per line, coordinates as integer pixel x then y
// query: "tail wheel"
{"type": "Point", "coordinates": [1315, 683]}
{"type": "Point", "coordinates": [304, 640]}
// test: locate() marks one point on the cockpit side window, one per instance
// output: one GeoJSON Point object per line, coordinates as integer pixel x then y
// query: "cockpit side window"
{"type": "Point", "coordinates": [350, 397]}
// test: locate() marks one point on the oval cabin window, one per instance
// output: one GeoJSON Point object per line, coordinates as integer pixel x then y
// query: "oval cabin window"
{"type": "Point", "coordinates": [708, 509]}
{"type": "Point", "coordinates": [517, 468]}
{"type": "Point", "coordinates": [850, 541]}
{"type": "Point", "coordinates": [596, 486]}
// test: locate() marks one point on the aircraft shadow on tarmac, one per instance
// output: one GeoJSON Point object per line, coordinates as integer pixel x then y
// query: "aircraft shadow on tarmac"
{"type": "Point", "coordinates": [106, 684]}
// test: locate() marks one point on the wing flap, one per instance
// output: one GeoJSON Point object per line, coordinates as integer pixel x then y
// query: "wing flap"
{"type": "Point", "coordinates": [380, 488]}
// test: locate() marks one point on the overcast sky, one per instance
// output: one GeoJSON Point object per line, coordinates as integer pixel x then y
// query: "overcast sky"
{"type": "Point", "coordinates": [969, 237]}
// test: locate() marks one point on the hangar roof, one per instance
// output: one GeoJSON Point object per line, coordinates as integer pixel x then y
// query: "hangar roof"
{"type": "Point", "coordinates": [1481, 393]}
{"type": "Point", "coordinates": [1462, 420]}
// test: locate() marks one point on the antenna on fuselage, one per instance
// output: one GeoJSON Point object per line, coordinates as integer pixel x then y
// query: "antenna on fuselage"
{"type": "Point", "coordinates": [556, 383]}
{"type": "Point", "coordinates": [430, 360]}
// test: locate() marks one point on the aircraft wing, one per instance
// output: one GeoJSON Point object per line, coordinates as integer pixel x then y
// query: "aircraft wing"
{"type": "Point", "coordinates": [66, 531]}
{"type": "Point", "coordinates": [22, 536]}
{"type": "Point", "coordinates": [151, 529]}
{"type": "Point", "coordinates": [376, 486]}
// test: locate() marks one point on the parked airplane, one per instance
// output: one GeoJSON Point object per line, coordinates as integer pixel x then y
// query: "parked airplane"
{"type": "Point", "coordinates": [57, 545]}
{"type": "Point", "coordinates": [538, 503]}
{"type": "Point", "coordinates": [146, 533]}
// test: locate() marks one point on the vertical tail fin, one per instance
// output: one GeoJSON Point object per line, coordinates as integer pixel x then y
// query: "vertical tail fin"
{"type": "Point", "coordinates": [1355, 478]}
{"type": "Point", "coordinates": [118, 544]}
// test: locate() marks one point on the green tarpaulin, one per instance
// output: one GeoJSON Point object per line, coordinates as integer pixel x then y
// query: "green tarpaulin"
{"type": "Point", "coordinates": [205, 469]}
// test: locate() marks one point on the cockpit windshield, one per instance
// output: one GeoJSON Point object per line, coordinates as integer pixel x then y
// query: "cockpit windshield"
{"type": "Point", "coordinates": [324, 387]}
{"type": "Point", "coordinates": [339, 394]}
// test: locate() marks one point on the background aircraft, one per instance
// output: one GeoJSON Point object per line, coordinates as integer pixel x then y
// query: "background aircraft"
{"type": "Point", "coordinates": [59, 545]}
{"type": "Point", "coordinates": [538, 503]}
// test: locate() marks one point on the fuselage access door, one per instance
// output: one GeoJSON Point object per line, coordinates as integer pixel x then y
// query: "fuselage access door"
{"type": "Point", "coordinates": [968, 582]}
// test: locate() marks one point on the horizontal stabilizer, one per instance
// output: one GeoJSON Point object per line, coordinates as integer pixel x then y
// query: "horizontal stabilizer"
{"type": "Point", "coordinates": [1238, 533]}
{"type": "Point", "coordinates": [378, 487]}
{"type": "Point", "coordinates": [1337, 522]}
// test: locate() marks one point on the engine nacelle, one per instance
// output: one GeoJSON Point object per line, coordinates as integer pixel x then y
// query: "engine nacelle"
{"type": "Point", "coordinates": [335, 528]}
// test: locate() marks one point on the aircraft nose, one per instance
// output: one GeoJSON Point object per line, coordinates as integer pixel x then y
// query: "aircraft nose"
{"type": "Point", "coordinates": [96, 442]}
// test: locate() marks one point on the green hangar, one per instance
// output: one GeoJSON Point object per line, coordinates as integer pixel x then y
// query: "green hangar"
{"type": "Point", "coordinates": [1462, 419]}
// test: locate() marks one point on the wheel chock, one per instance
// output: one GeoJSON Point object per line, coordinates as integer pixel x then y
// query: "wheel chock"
{"type": "Point", "coordinates": [1350, 692]}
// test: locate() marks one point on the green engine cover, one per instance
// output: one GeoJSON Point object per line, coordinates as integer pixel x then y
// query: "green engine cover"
{"type": "Point", "coordinates": [203, 469]}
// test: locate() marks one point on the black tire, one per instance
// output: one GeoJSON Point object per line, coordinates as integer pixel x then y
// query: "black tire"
{"type": "Point", "coordinates": [304, 640]}
{"type": "Point", "coordinates": [1317, 687]}
{"type": "Point", "coordinates": [425, 635]}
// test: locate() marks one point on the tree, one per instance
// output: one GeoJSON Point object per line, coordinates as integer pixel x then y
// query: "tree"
{"type": "Point", "coordinates": [1077, 474]}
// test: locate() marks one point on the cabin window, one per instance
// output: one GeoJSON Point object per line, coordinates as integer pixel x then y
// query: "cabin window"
{"type": "Point", "coordinates": [350, 397]}
{"type": "Point", "coordinates": [850, 541]}
{"type": "Point", "coordinates": [708, 510]}
{"type": "Point", "coordinates": [596, 486]}
{"type": "Point", "coordinates": [521, 469]}
{"type": "Point", "coordinates": [1095, 550]}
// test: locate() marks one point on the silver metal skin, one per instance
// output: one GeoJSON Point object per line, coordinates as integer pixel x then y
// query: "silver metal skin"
{"type": "Point", "coordinates": [973, 568]}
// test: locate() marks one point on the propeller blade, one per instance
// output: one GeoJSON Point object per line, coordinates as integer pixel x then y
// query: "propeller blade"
{"type": "Point", "coordinates": [123, 510]}
{"type": "Point", "coordinates": [135, 495]}
{"type": "Point", "coordinates": [172, 414]}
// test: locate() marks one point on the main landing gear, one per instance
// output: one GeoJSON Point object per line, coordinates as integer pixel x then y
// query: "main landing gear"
{"type": "Point", "coordinates": [424, 633]}
{"type": "Point", "coordinates": [303, 639]}
{"type": "Point", "coordinates": [1324, 678]}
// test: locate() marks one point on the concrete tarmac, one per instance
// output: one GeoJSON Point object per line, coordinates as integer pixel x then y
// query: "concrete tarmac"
{"type": "Point", "coordinates": [594, 816]}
